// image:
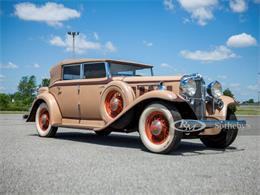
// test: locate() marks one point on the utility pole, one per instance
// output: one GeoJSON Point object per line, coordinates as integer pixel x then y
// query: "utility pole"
{"type": "Point", "coordinates": [258, 90]}
{"type": "Point", "coordinates": [73, 34]}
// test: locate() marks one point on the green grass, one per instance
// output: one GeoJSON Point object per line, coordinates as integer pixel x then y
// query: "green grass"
{"type": "Point", "coordinates": [248, 110]}
{"type": "Point", "coordinates": [12, 112]}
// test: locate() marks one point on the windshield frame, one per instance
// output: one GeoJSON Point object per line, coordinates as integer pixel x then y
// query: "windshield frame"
{"type": "Point", "coordinates": [138, 67]}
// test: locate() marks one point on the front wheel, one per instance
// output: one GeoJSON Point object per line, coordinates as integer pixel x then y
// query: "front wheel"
{"type": "Point", "coordinates": [224, 139]}
{"type": "Point", "coordinates": [156, 127]}
{"type": "Point", "coordinates": [42, 119]}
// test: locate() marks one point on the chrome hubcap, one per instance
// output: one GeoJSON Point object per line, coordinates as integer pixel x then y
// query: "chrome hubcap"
{"type": "Point", "coordinates": [156, 127]}
{"type": "Point", "coordinates": [44, 119]}
{"type": "Point", "coordinates": [114, 102]}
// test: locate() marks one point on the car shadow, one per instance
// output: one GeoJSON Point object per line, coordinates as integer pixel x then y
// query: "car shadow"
{"type": "Point", "coordinates": [185, 148]}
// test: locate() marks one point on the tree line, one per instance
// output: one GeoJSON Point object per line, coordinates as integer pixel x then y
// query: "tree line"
{"type": "Point", "coordinates": [23, 98]}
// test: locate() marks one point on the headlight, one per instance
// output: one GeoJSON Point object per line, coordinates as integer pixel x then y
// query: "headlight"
{"type": "Point", "coordinates": [188, 86]}
{"type": "Point", "coordinates": [215, 89]}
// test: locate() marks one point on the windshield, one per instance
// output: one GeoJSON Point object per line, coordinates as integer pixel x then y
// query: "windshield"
{"type": "Point", "coordinates": [129, 70]}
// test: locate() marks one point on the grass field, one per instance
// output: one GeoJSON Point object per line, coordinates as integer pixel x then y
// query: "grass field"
{"type": "Point", "coordinates": [12, 112]}
{"type": "Point", "coordinates": [248, 110]}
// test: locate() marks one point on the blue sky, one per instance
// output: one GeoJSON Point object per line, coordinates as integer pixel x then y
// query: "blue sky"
{"type": "Point", "coordinates": [218, 39]}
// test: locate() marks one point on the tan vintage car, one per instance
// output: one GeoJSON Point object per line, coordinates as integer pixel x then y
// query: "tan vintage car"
{"type": "Point", "coordinates": [106, 95]}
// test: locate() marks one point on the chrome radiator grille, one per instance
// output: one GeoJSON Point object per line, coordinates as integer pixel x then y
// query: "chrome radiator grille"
{"type": "Point", "coordinates": [198, 100]}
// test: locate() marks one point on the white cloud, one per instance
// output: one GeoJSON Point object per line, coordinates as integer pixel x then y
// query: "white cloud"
{"type": "Point", "coordinates": [95, 34]}
{"type": "Point", "coordinates": [253, 87]}
{"type": "Point", "coordinates": [110, 47]}
{"type": "Point", "coordinates": [238, 6]}
{"type": "Point", "coordinates": [201, 10]}
{"type": "Point", "coordinates": [168, 4]}
{"type": "Point", "coordinates": [51, 13]}
{"type": "Point", "coordinates": [9, 65]}
{"type": "Point", "coordinates": [57, 41]}
{"type": "Point", "coordinates": [36, 65]}
{"type": "Point", "coordinates": [147, 44]}
{"type": "Point", "coordinates": [85, 44]}
{"type": "Point", "coordinates": [165, 65]}
{"type": "Point", "coordinates": [241, 40]}
{"type": "Point", "coordinates": [219, 53]}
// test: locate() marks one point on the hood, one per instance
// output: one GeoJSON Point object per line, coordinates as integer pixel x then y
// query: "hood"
{"type": "Point", "coordinates": [146, 79]}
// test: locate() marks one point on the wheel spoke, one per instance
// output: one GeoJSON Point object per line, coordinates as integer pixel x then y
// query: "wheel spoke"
{"type": "Point", "coordinates": [157, 127]}
{"type": "Point", "coordinates": [44, 119]}
{"type": "Point", "coordinates": [114, 103]}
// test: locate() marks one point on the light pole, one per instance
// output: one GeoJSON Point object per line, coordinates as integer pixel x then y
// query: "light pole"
{"type": "Point", "coordinates": [258, 90]}
{"type": "Point", "coordinates": [73, 34]}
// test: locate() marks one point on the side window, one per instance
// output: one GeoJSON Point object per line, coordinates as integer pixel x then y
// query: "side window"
{"type": "Point", "coordinates": [71, 72]}
{"type": "Point", "coordinates": [96, 70]}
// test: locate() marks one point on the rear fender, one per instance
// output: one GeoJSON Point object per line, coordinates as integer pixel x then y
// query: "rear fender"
{"type": "Point", "coordinates": [55, 114]}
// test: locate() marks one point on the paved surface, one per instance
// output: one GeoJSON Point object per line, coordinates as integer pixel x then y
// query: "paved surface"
{"type": "Point", "coordinates": [77, 161]}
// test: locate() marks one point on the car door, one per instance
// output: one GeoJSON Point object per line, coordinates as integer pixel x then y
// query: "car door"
{"type": "Point", "coordinates": [68, 89]}
{"type": "Point", "coordinates": [95, 78]}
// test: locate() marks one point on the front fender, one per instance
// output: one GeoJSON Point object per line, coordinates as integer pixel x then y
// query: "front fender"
{"type": "Point", "coordinates": [156, 94]}
{"type": "Point", "coordinates": [55, 114]}
{"type": "Point", "coordinates": [152, 95]}
{"type": "Point", "coordinates": [222, 114]}
{"type": "Point", "coordinates": [227, 102]}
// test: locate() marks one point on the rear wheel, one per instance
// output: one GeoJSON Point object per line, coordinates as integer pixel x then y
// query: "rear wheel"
{"type": "Point", "coordinates": [156, 127]}
{"type": "Point", "coordinates": [43, 124]}
{"type": "Point", "coordinates": [224, 139]}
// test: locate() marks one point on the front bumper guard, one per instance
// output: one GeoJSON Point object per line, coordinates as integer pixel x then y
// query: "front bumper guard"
{"type": "Point", "coordinates": [189, 126]}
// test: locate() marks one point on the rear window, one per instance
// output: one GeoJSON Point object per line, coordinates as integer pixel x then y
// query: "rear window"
{"type": "Point", "coordinates": [96, 70]}
{"type": "Point", "coordinates": [71, 72]}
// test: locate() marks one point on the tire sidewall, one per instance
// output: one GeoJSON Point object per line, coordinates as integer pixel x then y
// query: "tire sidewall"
{"type": "Point", "coordinates": [42, 133]}
{"type": "Point", "coordinates": [157, 148]}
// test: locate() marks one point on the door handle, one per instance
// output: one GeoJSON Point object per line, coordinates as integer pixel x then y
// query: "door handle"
{"type": "Point", "coordinates": [78, 88]}
{"type": "Point", "coordinates": [59, 90]}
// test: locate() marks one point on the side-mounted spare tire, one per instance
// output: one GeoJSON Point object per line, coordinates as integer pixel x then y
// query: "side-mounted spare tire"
{"type": "Point", "coordinates": [116, 96]}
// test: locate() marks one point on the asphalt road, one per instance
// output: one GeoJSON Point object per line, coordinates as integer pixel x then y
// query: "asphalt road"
{"type": "Point", "coordinates": [78, 161]}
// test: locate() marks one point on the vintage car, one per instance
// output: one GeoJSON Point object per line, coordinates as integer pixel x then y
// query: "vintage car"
{"type": "Point", "coordinates": [106, 95]}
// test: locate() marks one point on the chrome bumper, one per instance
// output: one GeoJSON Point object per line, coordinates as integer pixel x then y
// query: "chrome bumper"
{"type": "Point", "coordinates": [225, 123]}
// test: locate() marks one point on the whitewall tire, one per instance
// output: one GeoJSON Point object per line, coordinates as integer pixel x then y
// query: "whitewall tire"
{"type": "Point", "coordinates": [156, 127]}
{"type": "Point", "coordinates": [43, 122]}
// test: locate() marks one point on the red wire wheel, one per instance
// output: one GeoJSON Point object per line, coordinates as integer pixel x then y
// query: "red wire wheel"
{"type": "Point", "coordinates": [44, 119]}
{"type": "Point", "coordinates": [157, 127]}
{"type": "Point", "coordinates": [114, 103]}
